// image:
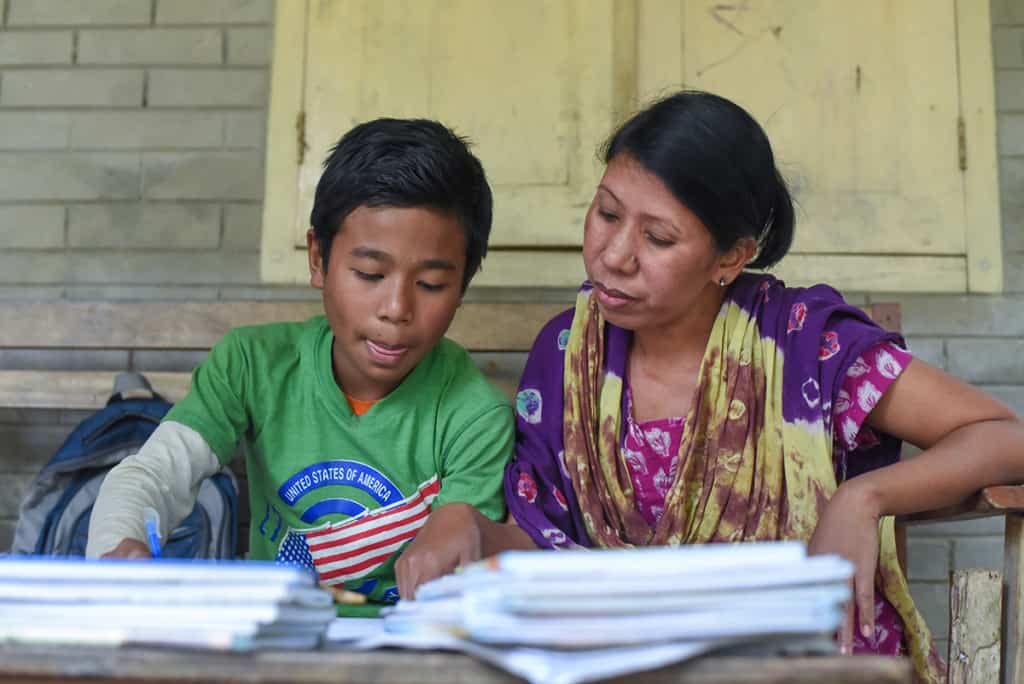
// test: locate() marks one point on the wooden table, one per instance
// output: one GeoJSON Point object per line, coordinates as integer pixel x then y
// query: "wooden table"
{"type": "Point", "coordinates": [48, 664]}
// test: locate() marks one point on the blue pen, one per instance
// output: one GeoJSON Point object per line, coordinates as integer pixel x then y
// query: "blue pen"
{"type": "Point", "coordinates": [152, 519]}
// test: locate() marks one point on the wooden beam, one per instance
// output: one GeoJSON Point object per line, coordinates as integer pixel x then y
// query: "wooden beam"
{"type": "Point", "coordinates": [1013, 604]}
{"type": "Point", "coordinates": [89, 390]}
{"type": "Point", "coordinates": [77, 390]}
{"type": "Point", "coordinates": [989, 501]}
{"type": "Point", "coordinates": [975, 598]}
{"type": "Point", "coordinates": [982, 224]}
{"type": "Point", "coordinates": [73, 664]}
{"type": "Point", "coordinates": [176, 325]}
{"type": "Point", "coordinates": [137, 325]}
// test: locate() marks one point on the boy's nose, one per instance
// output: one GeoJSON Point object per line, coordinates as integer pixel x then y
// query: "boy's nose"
{"type": "Point", "coordinates": [396, 306]}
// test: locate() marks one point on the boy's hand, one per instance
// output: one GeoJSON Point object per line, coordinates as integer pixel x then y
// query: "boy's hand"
{"type": "Point", "coordinates": [450, 538]}
{"type": "Point", "coordinates": [849, 528]}
{"type": "Point", "coordinates": [129, 548]}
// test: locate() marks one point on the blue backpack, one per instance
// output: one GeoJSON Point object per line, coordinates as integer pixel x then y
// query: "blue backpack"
{"type": "Point", "coordinates": [54, 515]}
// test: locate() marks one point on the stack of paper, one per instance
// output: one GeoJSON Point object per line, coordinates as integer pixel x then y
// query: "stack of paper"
{"type": "Point", "coordinates": [577, 615]}
{"type": "Point", "coordinates": [239, 605]}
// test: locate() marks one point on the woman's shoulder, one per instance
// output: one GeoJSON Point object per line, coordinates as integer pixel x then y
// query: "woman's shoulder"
{"type": "Point", "coordinates": [773, 299]}
{"type": "Point", "coordinates": [555, 333]}
{"type": "Point", "coordinates": [769, 288]}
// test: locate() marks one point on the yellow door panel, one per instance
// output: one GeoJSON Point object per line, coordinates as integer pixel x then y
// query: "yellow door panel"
{"type": "Point", "coordinates": [531, 82]}
{"type": "Point", "coordinates": [860, 101]}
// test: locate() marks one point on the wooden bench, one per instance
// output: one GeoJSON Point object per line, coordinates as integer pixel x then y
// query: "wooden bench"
{"type": "Point", "coordinates": [53, 665]}
{"type": "Point", "coordinates": [497, 334]}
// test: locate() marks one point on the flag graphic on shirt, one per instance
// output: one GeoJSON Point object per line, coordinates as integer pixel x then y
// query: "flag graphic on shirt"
{"type": "Point", "coordinates": [346, 550]}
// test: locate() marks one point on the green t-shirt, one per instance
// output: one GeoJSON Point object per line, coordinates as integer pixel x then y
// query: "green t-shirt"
{"type": "Point", "coordinates": [338, 492]}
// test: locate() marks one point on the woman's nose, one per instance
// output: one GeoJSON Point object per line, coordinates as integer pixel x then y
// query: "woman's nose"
{"type": "Point", "coordinates": [619, 252]}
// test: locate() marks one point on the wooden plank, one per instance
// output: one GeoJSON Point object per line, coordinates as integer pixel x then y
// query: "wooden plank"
{"type": "Point", "coordinates": [177, 325]}
{"type": "Point", "coordinates": [845, 272]}
{"type": "Point", "coordinates": [989, 501]}
{"type": "Point", "coordinates": [981, 177]}
{"type": "Point", "coordinates": [501, 327]}
{"type": "Point", "coordinates": [278, 262]}
{"type": "Point", "coordinates": [975, 599]}
{"type": "Point", "coordinates": [42, 664]}
{"type": "Point", "coordinates": [1013, 606]}
{"type": "Point", "coordinates": [89, 390]}
{"type": "Point", "coordinates": [137, 325]}
{"type": "Point", "coordinates": [85, 390]}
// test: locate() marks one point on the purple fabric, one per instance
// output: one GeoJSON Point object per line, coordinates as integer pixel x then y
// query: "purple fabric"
{"type": "Point", "coordinates": [818, 333]}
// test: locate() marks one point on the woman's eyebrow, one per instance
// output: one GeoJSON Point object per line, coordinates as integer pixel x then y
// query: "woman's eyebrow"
{"type": "Point", "coordinates": [655, 217]}
{"type": "Point", "coordinates": [608, 190]}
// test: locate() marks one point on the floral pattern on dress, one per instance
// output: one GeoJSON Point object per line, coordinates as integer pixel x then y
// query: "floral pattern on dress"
{"type": "Point", "coordinates": [650, 450]}
{"type": "Point", "coordinates": [866, 381]}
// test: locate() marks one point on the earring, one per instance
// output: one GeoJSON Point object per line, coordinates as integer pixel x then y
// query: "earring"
{"type": "Point", "coordinates": [721, 282]}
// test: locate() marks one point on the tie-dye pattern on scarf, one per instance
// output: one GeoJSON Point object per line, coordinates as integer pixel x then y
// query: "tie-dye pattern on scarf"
{"type": "Point", "coordinates": [755, 460]}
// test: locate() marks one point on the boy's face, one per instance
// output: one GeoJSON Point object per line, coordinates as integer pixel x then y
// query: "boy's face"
{"type": "Point", "coordinates": [393, 283]}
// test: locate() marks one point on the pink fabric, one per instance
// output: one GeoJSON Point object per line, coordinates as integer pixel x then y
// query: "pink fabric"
{"type": "Point", "coordinates": [651, 447]}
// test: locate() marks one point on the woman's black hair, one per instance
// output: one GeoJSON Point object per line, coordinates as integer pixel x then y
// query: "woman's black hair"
{"type": "Point", "coordinates": [717, 161]}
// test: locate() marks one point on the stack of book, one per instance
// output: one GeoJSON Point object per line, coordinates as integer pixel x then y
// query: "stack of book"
{"type": "Point", "coordinates": [234, 605]}
{"type": "Point", "coordinates": [586, 614]}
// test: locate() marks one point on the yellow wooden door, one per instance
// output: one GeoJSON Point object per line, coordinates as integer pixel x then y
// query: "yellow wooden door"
{"type": "Point", "coordinates": [862, 104]}
{"type": "Point", "coordinates": [532, 83]}
{"type": "Point", "coordinates": [880, 112]}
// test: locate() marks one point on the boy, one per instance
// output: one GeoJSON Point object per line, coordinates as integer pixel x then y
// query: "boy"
{"type": "Point", "coordinates": [360, 422]}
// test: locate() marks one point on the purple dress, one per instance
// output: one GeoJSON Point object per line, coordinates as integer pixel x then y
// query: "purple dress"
{"type": "Point", "coordinates": [822, 346]}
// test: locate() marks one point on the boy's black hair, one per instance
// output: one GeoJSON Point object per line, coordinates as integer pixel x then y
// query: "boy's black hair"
{"type": "Point", "coordinates": [716, 160]}
{"type": "Point", "coordinates": [404, 163]}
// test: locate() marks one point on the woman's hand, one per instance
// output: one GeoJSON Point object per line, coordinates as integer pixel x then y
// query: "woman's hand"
{"type": "Point", "coordinates": [451, 537]}
{"type": "Point", "coordinates": [129, 548]}
{"type": "Point", "coordinates": [849, 528]}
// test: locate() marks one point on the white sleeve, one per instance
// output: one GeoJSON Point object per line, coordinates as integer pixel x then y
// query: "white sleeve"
{"type": "Point", "coordinates": [165, 475]}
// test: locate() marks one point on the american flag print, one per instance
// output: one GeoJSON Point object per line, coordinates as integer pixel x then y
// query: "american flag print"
{"type": "Point", "coordinates": [347, 550]}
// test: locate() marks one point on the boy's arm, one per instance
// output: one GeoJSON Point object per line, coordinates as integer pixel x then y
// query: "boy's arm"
{"type": "Point", "coordinates": [470, 497]}
{"type": "Point", "coordinates": [164, 475]}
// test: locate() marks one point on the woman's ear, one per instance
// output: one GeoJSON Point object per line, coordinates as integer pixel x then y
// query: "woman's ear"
{"type": "Point", "coordinates": [316, 261]}
{"type": "Point", "coordinates": [735, 259]}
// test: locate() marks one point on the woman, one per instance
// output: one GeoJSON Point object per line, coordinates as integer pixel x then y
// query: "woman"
{"type": "Point", "coordinates": [684, 400]}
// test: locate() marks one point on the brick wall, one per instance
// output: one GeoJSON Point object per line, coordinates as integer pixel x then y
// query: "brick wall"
{"type": "Point", "coordinates": [131, 152]}
{"type": "Point", "coordinates": [131, 147]}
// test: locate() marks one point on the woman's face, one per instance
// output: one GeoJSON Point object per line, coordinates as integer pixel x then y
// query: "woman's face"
{"type": "Point", "coordinates": [651, 259]}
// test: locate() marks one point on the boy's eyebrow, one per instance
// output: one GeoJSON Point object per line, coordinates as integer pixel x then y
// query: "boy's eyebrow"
{"type": "Point", "coordinates": [370, 253]}
{"type": "Point", "coordinates": [438, 264]}
{"type": "Point", "coordinates": [384, 257]}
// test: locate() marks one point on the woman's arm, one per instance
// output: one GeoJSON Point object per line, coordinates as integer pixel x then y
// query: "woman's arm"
{"type": "Point", "coordinates": [970, 441]}
{"type": "Point", "coordinates": [496, 537]}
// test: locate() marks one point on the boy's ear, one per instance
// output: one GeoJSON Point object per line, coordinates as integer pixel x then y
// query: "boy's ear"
{"type": "Point", "coordinates": [316, 261]}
